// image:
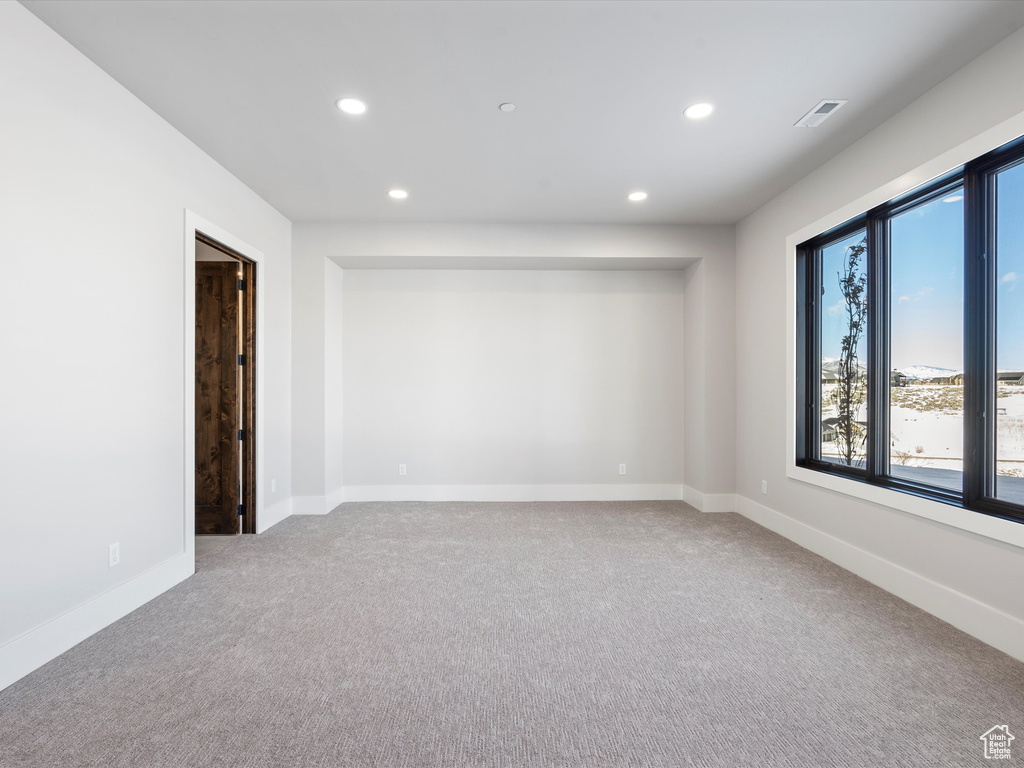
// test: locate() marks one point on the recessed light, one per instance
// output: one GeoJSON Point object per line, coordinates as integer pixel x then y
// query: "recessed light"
{"type": "Point", "coordinates": [636, 197]}
{"type": "Point", "coordinates": [351, 106]}
{"type": "Point", "coordinates": [398, 194]}
{"type": "Point", "coordinates": [699, 111]}
{"type": "Point", "coordinates": [507, 107]}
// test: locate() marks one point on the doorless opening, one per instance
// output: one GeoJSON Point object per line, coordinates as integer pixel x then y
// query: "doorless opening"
{"type": "Point", "coordinates": [225, 389]}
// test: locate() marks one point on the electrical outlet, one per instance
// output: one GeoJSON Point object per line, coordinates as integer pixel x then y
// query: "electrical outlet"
{"type": "Point", "coordinates": [764, 487]}
{"type": "Point", "coordinates": [401, 469]}
{"type": "Point", "coordinates": [114, 553]}
{"type": "Point", "coordinates": [622, 469]}
{"type": "Point", "coordinates": [273, 485]}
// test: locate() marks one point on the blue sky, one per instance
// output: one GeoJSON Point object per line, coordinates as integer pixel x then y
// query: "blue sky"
{"type": "Point", "coordinates": [833, 305]}
{"type": "Point", "coordinates": [1010, 264]}
{"type": "Point", "coordinates": [927, 272]}
{"type": "Point", "coordinates": [927, 282]}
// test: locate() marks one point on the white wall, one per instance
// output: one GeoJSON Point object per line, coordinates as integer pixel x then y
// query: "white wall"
{"type": "Point", "coordinates": [710, 383]}
{"type": "Point", "coordinates": [535, 378]}
{"type": "Point", "coordinates": [450, 311]}
{"type": "Point", "coordinates": [970, 580]}
{"type": "Point", "coordinates": [517, 246]}
{"type": "Point", "coordinates": [307, 376]}
{"type": "Point", "coordinates": [334, 385]}
{"type": "Point", "coordinates": [92, 312]}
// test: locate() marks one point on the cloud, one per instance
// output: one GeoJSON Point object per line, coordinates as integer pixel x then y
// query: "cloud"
{"type": "Point", "coordinates": [838, 308]}
{"type": "Point", "coordinates": [926, 291]}
{"type": "Point", "coordinates": [1009, 278]}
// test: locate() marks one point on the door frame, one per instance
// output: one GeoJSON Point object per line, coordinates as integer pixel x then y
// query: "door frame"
{"type": "Point", "coordinates": [193, 224]}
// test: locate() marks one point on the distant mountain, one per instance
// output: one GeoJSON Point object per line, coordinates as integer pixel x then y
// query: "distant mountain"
{"type": "Point", "coordinates": [831, 364]}
{"type": "Point", "coordinates": [913, 372]}
{"type": "Point", "coordinates": [924, 372]}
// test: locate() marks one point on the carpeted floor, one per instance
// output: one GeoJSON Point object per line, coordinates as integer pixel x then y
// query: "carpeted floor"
{"type": "Point", "coordinates": [575, 634]}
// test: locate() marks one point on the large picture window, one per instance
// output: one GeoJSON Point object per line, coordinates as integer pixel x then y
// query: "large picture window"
{"type": "Point", "coordinates": [910, 338]}
{"type": "Point", "coordinates": [1009, 333]}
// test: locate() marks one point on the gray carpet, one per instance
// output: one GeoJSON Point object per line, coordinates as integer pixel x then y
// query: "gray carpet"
{"type": "Point", "coordinates": [576, 634]}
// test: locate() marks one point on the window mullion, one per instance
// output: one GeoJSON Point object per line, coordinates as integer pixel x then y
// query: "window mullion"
{"type": "Point", "coordinates": [813, 411]}
{"type": "Point", "coordinates": [878, 347]}
{"type": "Point", "coordinates": [979, 336]}
{"type": "Point", "coordinates": [803, 368]}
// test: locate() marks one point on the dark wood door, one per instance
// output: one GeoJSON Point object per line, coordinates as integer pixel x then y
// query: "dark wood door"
{"type": "Point", "coordinates": [217, 406]}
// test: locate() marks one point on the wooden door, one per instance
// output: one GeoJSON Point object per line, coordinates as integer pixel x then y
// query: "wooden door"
{"type": "Point", "coordinates": [217, 399]}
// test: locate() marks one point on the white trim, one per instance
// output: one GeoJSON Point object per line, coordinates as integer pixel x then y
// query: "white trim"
{"type": "Point", "coordinates": [273, 514]}
{"type": "Point", "coordinates": [309, 505]}
{"type": "Point", "coordinates": [193, 223]}
{"type": "Point", "coordinates": [990, 527]}
{"type": "Point", "coordinates": [955, 517]}
{"type": "Point", "coordinates": [983, 621]}
{"type": "Point", "coordinates": [719, 502]}
{"type": "Point", "coordinates": [513, 492]}
{"type": "Point", "coordinates": [30, 651]}
{"type": "Point", "coordinates": [693, 497]}
{"type": "Point", "coordinates": [334, 498]}
{"type": "Point", "coordinates": [709, 502]}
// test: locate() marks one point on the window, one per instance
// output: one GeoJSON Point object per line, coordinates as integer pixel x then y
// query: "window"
{"type": "Point", "coordinates": [843, 316]}
{"type": "Point", "coordinates": [1009, 332]}
{"type": "Point", "coordinates": [926, 342]}
{"type": "Point", "coordinates": [910, 341]}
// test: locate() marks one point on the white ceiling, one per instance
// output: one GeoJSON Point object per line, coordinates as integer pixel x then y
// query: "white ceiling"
{"type": "Point", "coordinates": [599, 89]}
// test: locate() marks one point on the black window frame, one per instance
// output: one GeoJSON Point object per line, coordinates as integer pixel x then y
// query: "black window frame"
{"type": "Point", "coordinates": [978, 180]}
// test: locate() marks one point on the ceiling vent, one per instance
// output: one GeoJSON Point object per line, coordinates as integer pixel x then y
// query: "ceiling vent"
{"type": "Point", "coordinates": [818, 115]}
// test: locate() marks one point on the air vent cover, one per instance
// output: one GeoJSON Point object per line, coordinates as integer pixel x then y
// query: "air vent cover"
{"type": "Point", "coordinates": [817, 116]}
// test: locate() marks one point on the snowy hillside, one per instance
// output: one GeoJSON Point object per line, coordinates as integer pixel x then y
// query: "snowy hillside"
{"type": "Point", "coordinates": [923, 372]}
{"type": "Point", "coordinates": [831, 364]}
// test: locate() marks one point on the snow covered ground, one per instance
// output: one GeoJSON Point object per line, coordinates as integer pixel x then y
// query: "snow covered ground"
{"type": "Point", "coordinates": [926, 427]}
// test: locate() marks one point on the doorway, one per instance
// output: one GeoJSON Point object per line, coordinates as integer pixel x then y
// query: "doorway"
{"type": "Point", "coordinates": [225, 390]}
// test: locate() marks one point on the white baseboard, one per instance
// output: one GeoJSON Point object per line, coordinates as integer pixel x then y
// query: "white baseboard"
{"type": "Point", "coordinates": [988, 624]}
{"type": "Point", "coordinates": [709, 502]}
{"type": "Point", "coordinates": [45, 643]}
{"type": "Point", "coordinates": [309, 505]}
{"type": "Point", "coordinates": [694, 498]}
{"type": "Point", "coordinates": [273, 515]}
{"type": "Point", "coordinates": [512, 492]}
{"type": "Point", "coordinates": [719, 502]}
{"type": "Point", "coordinates": [335, 498]}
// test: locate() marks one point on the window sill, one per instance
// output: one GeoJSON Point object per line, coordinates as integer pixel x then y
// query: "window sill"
{"type": "Point", "coordinates": [954, 516]}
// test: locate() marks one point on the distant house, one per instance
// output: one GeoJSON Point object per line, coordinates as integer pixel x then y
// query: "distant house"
{"type": "Point", "coordinates": [957, 379]}
{"type": "Point", "coordinates": [830, 429]}
{"type": "Point", "coordinates": [827, 377]}
{"type": "Point", "coordinates": [897, 379]}
{"type": "Point", "coordinates": [1009, 377]}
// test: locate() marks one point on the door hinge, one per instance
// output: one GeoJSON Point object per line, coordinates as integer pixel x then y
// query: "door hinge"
{"type": "Point", "coordinates": [241, 434]}
{"type": "Point", "coordinates": [241, 284]}
{"type": "Point", "coordinates": [241, 359]}
{"type": "Point", "coordinates": [241, 510]}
